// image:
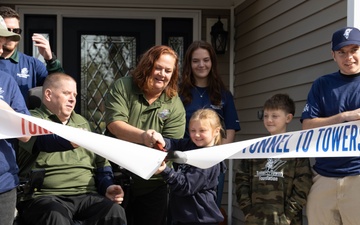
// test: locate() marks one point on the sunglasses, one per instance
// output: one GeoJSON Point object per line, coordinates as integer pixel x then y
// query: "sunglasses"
{"type": "Point", "coordinates": [15, 30]}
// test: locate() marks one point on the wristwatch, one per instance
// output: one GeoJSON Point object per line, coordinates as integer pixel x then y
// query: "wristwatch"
{"type": "Point", "coordinates": [53, 59]}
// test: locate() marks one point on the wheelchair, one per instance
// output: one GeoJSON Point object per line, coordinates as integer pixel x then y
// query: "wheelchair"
{"type": "Point", "coordinates": [28, 186]}
{"type": "Point", "coordinates": [36, 177]}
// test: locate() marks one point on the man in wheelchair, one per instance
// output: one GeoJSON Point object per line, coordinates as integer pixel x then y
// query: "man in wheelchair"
{"type": "Point", "coordinates": [67, 183]}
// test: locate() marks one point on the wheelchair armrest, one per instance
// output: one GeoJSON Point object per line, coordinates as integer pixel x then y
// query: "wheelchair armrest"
{"type": "Point", "coordinates": [33, 183]}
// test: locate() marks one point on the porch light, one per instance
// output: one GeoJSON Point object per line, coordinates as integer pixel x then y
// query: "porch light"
{"type": "Point", "coordinates": [218, 37]}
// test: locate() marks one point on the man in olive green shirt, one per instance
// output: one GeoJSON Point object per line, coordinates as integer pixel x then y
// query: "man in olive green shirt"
{"type": "Point", "coordinates": [78, 184]}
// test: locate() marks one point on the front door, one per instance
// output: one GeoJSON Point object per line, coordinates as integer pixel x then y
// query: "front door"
{"type": "Point", "coordinates": [98, 51]}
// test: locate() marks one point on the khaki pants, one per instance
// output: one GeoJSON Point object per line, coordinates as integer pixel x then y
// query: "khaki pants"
{"type": "Point", "coordinates": [334, 201]}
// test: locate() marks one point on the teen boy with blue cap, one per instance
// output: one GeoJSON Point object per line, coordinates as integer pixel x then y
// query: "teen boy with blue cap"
{"type": "Point", "coordinates": [335, 98]}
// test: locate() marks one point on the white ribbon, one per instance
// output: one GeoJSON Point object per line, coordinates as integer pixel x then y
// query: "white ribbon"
{"type": "Point", "coordinates": [341, 140]}
{"type": "Point", "coordinates": [139, 159]}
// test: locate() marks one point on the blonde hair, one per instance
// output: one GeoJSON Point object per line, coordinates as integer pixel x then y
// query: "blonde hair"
{"type": "Point", "coordinates": [210, 116]}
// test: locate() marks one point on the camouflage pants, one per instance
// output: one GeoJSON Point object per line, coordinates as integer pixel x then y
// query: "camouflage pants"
{"type": "Point", "coordinates": [266, 216]}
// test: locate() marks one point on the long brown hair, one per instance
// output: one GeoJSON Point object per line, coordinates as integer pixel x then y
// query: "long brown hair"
{"type": "Point", "coordinates": [145, 67]}
{"type": "Point", "coordinates": [215, 84]}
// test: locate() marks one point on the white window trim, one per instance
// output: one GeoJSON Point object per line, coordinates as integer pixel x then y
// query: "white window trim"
{"type": "Point", "coordinates": [353, 13]}
{"type": "Point", "coordinates": [114, 13]}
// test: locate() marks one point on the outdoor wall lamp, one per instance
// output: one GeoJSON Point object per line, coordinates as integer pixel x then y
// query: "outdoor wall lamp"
{"type": "Point", "coordinates": [218, 37]}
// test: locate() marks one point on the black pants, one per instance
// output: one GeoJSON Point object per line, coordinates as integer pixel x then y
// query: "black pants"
{"type": "Point", "coordinates": [149, 209]}
{"type": "Point", "coordinates": [90, 209]}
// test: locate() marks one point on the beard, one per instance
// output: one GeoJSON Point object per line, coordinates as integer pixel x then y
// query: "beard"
{"type": "Point", "coordinates": [9, 48]}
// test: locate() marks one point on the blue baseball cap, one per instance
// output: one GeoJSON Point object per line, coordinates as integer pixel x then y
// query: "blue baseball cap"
{"type": "Point", "coordinates": [345, 36]}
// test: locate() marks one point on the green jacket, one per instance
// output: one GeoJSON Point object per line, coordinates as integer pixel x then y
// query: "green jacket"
{"type": "Point", "coordinates": [269, 191]}
{"type": "Point", "coordinates": [69, 172]}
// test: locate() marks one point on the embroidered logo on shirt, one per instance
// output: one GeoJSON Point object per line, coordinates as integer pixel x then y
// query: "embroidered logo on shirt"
{"type": "Point", "coordinates": [164, 114]}
{"type": "Point", "coordinates": [217, 106]}
{"type": "Point", "coordinates": [1, 92]}
{"type": "Point", "coordinates": [24, 73]}
{"type": "Point", "coordinates": [306, 108]}
{"type": "Point", "coordinates": [270, 168]}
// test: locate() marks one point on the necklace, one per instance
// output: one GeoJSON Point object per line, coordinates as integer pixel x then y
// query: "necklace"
{"type": "Point", "coordinates": [201, 94]}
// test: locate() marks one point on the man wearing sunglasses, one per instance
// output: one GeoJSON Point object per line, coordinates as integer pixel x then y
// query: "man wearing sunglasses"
{"type": "Point", "coordinates": [28, 71]}
{"type": "Point", "coordinates": [10, 99]}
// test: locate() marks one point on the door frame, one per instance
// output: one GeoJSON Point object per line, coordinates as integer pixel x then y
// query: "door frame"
{"type": "Point", "coordinates": [115, 13]}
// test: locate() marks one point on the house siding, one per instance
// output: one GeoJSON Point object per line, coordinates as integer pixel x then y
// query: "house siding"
{"type": "Point", "coordinates": [280, 47]}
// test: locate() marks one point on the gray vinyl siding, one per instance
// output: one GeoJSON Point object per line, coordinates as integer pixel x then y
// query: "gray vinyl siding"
{"type": "Point", "coordinates": [281, 46]}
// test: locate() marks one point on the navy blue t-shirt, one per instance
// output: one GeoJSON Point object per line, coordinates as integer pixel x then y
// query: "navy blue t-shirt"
{"type": "Point", "coordinates": [226, 111]}
{"type": "Point", "coordinates": [28, 72]}
{"type": "Point", "coordinates": [329, 95]}
{"type": "Point", "coordinates": [10, 93]}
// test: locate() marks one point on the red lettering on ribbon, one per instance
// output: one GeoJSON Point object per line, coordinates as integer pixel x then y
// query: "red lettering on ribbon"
{"type": "Point", "coordinates": [32, 128]}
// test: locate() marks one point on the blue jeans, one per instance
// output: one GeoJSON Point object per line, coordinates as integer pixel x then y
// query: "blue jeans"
{"type": "Point", "coordinates": [7, 207]}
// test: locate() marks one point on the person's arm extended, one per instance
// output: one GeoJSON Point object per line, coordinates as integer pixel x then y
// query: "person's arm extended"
{"type": "Point", "coordinates": [24, 139]}
{"type": "Point", "coordinates": [53, 143]}
{"type": "Point", "coordinates": [126, 132]}
{"type": "Point", "coordinates": [335, 119]}
{"type": "Point", "coordinates": [104, 178]}
{"type": "Point", "coordinates": [5, 106]}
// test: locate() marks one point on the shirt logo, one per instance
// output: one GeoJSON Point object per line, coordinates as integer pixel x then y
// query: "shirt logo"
{"type": "Point", "coordinates": [164, 114]}
{"type": "Point", "coordinates": [269, 173]}
{"type": "Point", "coordinates": [24, 73]}
{"type": "Point", "coordinates": [306, 108]}
{"type": "Point", "coordinates": [347, 33]}
{"type": "Point", "coordinates": [217, 107]}
{"type": "Point", "coordinates": [1, 92]}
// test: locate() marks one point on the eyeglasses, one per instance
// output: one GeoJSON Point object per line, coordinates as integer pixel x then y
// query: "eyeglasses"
{"type": "Point", "coordinates": [15, 30]}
